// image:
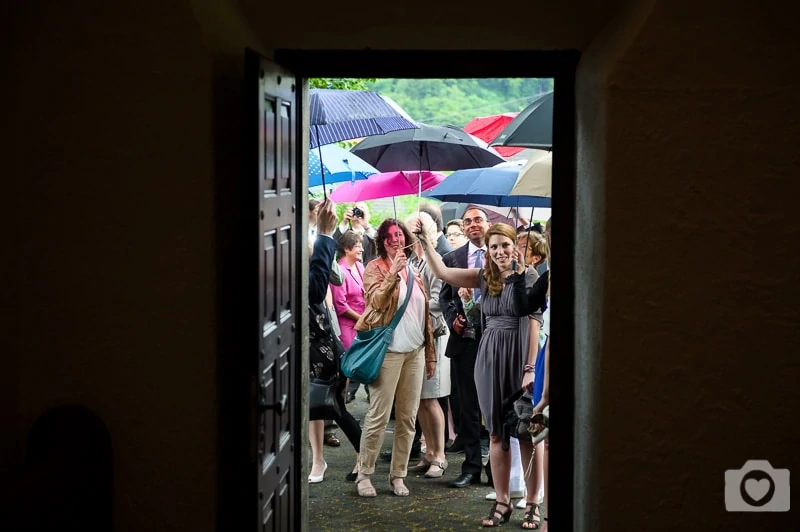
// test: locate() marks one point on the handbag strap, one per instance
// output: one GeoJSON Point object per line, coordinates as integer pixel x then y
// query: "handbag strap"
{"type": "Point", "coordinates": [402, 308]}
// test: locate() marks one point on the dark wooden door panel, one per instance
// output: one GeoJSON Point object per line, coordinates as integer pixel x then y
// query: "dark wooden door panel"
{"type": "Point", "coordinates": [276, 364]}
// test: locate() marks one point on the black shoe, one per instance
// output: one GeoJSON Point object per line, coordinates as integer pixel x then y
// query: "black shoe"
{"type": "Point", "coordinates": [415, 452]}
{"type": "Point", "coordinates": [349, 398]}
{"type": "Point", "coordinates": [466, 480]}
{"type": "Point", "coordinates": [386, 456]}
{"type": "Point", "coordinates": [456, 448]}
{"type": "Point", "coordinates": [351, 477]}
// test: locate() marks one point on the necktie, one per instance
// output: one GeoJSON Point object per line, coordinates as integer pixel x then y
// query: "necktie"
{"type": "Point", "coordinates": [476, 293]}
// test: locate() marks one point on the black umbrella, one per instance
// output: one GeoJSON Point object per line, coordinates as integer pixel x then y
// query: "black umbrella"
{"type": "Point", "coordinates": [426, 148]}
{"type": "Point", "coordinates": [532, 128]}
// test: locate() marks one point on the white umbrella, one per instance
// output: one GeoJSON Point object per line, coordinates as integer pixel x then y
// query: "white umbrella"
{"type": "Point", "coordinates": [535, 178]}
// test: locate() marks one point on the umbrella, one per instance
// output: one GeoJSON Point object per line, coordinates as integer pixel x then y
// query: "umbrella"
{"type": "Point", "coordinates": [489, 186]}
{"type": "Point", "coordinates": [487, 128]}
{"type": "Point", "coordinates": [532, 128]}
{"type": "Point", "coordinates": [535, 178]}
{"type": "Point", "coordinates": [337, 115]}
{"type": "Point", "coordinates": [338, 164]}
{"type": "Point", "coordinates": [496, 214]}
{"type": "Point", "coordinates": [426, 148]}
{"type": "Point", "coordinates": [386, 185]}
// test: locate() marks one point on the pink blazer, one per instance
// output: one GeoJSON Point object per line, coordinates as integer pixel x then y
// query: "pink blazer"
{"type": "Point", "coordinates": [349, 295]}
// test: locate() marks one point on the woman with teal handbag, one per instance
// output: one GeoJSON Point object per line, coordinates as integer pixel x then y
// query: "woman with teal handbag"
{"type": "Point", "coordinates": [395, 298]}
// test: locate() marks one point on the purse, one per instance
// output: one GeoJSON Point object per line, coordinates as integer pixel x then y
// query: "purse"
{"type": "Point", "coordinates": [322, 399]}
{"type": "Point", "coordinates": [363, 360]}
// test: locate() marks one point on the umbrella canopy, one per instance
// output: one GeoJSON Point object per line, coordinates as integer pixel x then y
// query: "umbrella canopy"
{"type": "Point", "coordinates": [385, 185]}
{"type": "Point", "coordinates": [339, 165]}
{"type": "Point", "coordinates": [489, 186]}
{"type": "Point", "coordinates": [487, 128]}
{"type": "Point", "coordinates": [535, 178]}
{"type": "Point", "coordinates": [496, 214]}
{"type": "Point", "coordinates": [532, 128]}
{"type": "Point", "coordinates": [343, 114]}
{"type": "Point", "coordinates": [426, 148]}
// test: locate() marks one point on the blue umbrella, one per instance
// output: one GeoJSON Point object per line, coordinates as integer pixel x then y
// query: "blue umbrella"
{"type": "Point", "coordinates": [339, 165]}
{"type": "Point", "coordinates": [337, 115]}
{"type": "Point", "coordinates": [487, 186]}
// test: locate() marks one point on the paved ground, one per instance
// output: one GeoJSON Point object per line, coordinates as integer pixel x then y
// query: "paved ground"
{"type": "Point", "coordinates": [334, 504]}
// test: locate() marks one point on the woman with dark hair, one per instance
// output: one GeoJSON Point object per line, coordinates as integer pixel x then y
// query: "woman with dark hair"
{"type": "Point", "coordinates": [411, 355]}
{"type": "Point", "coordinates": [348, 299]}
{"type": "Point", "coordinates": [507, 350]}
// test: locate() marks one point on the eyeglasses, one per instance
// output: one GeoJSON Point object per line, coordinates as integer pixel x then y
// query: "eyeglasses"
{"type": "Point", "coordinates": [455, 234]}
{"type": "Point", "coordinates": [477, 220]}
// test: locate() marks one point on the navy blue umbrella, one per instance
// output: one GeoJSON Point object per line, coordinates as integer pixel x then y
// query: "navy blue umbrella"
{"type": "Point", "coordinates": [532, 128]}
{"type": "Point", "coordinates": [338, 115]}
{"type": "Point", "coordinates": [487, 186]}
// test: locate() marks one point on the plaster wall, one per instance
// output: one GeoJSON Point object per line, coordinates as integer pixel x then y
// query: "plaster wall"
{"type": "Point", "coordinates": [118, 111]}
{"type": "Point", "coordinates": [697, 372]}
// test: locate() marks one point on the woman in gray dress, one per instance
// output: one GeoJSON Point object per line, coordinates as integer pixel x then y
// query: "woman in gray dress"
{"type": "Point", "coordinates": [506, 350]}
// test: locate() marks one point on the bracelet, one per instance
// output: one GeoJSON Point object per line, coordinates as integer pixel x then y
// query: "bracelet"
{"type": "Point", "coordinates": [528, 368]}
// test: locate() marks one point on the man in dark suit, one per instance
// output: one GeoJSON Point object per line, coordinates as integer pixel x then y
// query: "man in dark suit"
{"type": "Point", "coordinates": [462, 349]}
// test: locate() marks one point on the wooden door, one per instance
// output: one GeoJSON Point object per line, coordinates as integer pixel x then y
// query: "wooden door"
{"type": "Point", "coordinates": [278, 399]}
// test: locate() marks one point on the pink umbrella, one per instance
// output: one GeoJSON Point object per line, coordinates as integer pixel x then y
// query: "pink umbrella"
{"type": "Point", "coordinates": [386, 185]}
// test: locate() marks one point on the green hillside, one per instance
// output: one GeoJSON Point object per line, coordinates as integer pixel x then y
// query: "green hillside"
{"type": "Point", "coordinates": [457, 101]}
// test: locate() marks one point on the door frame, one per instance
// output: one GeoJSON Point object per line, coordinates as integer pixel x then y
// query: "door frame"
{"type": "Point", "coordinates": [561, 66]}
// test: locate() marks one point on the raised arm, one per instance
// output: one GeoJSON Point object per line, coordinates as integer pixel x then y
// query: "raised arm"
{"type": "Point", "coordinates": [319, 271]}
{"type": "Point", "coordinates": [465, 277]}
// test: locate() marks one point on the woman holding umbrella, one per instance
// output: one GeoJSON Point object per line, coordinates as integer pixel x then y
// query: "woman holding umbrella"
{"type": "Point", "coordinates": [506, 349]}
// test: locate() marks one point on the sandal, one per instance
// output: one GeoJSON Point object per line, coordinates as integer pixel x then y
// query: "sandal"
{"type": "Point", "coordinates": [365, 491]}
{"type": "Point", "coordinates": [401, 490]}
{"type": "Point", "coordinates": [533, 516]}
{"type": "Point", "coordinates": [496, 517]}
{"type": "Point", "coordinates": [436, 474]}
{"type": "Point", "coordinates": [421, 467]}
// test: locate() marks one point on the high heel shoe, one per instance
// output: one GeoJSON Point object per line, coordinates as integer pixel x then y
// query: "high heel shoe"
{"type": "Point", "coordinates": [319, 478]}
{"type": "Point", "coordinates": [421, 467]}
{"type": "Point", "coordinates": [496, 516]}
{"type": "Point", "coordinates": [436, 474]}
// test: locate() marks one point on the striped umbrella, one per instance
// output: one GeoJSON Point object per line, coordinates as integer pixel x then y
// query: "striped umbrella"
{"type": "Point", "coordinates": [343, 115]}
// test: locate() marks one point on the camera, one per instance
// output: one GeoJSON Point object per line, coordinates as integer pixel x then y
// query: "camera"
{"type": "Point", "coordinates": [358, 213]}
{"type": "Point", "coordinates": [757, 487]}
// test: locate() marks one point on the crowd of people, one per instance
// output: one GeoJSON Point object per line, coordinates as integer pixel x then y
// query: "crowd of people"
{"type": "Point", "coordinates": [468, 359]}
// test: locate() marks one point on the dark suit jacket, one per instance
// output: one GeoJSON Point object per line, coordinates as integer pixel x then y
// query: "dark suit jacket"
{"type": "Point", "coordinates": [451, 305]}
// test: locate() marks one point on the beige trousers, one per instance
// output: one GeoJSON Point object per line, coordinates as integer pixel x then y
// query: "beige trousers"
{"type": "Point", "coordinates": [399, 380]}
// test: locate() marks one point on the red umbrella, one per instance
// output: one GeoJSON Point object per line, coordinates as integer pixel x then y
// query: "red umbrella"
{"type": "Point", "coordinates": [487, 128]}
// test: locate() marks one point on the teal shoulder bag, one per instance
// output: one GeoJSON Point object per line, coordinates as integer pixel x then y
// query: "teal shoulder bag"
{"type": "Point", "coordinates": [363, 360]}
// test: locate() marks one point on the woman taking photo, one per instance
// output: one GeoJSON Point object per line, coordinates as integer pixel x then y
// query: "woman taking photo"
{"type": "Point", "coordinates": [410, 358]}
{"type": "Point", "coordinates": [506, 348]}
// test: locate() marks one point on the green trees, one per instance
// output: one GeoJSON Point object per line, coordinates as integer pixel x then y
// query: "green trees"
{"type": "Point", "coordinates": [457, 101]}
{"type": "Point", "coordinates": [355, 84]}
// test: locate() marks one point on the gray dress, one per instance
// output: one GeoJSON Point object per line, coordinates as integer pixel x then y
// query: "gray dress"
{"type": "Point", "coordinates": [502, 353]}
